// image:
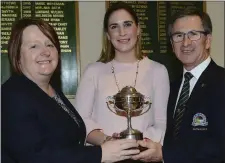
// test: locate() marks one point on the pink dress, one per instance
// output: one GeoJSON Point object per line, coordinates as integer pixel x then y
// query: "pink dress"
{"type": "Point", "coordinates": [98, 83]}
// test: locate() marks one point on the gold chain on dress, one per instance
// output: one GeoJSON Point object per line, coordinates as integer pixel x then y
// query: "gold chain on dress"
{"type": "Point", "coordinates": [117, 84]}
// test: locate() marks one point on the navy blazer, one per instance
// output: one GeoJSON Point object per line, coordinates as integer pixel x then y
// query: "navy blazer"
{"type": "Point", "coordinates": [199, 141]}
{"type": "Point", "coordinates": [35, 129]}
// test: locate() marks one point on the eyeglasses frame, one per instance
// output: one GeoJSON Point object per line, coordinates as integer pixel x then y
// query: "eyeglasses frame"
{"type": "Point", "coordinates": [186, 33]}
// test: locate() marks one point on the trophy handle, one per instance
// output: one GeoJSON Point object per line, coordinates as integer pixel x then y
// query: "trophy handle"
{"type": "Point", "coordinates": [111, 103]}
{"type": "Point", "coordinates": [147, 104]}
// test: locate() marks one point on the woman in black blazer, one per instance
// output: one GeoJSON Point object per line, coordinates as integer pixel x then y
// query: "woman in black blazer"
{"type": "Point", "coordinates": [39, 124]}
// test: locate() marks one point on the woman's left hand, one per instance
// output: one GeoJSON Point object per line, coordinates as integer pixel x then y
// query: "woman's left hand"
{"type": "Point", "coordinates": [153, 152]}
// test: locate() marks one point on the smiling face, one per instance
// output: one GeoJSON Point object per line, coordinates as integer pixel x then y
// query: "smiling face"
{"type": "Point", "coordinates": [122, 32]}
{"type": "Point", "coordinates": [38, 55]}
{"type": "Point", "coordinates": [191, 53]}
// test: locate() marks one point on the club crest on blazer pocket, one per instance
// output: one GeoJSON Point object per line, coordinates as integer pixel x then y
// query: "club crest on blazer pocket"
{"type": "Point", "coordinates": [199, 122]}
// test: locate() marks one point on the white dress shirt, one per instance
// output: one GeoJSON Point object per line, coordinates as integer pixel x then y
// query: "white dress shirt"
{"type": "Point", "coordinates": [196, 72]}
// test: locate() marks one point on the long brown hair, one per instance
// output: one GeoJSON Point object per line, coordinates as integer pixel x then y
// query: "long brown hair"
{"type": "Point", "coordinates": [108, 51]}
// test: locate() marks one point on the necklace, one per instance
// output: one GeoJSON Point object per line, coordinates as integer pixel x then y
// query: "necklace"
{"type": "Point", "coordinates": [117, 84]}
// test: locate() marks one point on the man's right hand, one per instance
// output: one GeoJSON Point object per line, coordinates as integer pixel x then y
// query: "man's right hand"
{"type": "Point", "coordinates": [153, 152]}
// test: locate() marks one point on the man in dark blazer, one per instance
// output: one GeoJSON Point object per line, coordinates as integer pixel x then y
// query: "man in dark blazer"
{"type": "Point", "coordinates": [196, 108]}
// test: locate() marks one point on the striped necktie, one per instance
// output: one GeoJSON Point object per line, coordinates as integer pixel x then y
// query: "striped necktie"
{"type": "Point", "coordinates": [181, 104]}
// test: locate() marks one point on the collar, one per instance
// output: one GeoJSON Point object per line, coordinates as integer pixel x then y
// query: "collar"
{"type": "Point", "coordinates": [197, 71]}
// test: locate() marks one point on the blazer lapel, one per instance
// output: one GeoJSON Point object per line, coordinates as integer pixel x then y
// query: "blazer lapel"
{"type": "Point", "coordinates": [201, 85]}
{"type": "Point", "coordinates": [172, 100]}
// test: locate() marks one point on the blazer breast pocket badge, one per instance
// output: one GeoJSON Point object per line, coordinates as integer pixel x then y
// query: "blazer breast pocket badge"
{"type": "Point", "coordinates": [199, 122]}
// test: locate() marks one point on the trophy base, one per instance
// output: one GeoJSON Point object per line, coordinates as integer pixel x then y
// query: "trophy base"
{"type": "Point", "coordinates": [133, 134]}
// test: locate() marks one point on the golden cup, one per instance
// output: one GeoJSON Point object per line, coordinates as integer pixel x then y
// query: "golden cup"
{"type": "Point", "coordinates": [129, 101]}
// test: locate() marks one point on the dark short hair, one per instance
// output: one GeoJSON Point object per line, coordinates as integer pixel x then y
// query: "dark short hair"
{"type": "Point", "coordinates": [15, 41]}
{"type": "Point", "coordinates": [205, 19]}
{"type": "Point", "coordinates": [119, 6]}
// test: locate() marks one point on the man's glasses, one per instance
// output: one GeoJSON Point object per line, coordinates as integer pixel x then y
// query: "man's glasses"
{"type": "Point", "coordinates": [192, 35]}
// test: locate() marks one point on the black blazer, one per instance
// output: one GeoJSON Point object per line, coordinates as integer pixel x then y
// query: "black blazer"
{"type": "Point", "coordinates": [198, 144]}
{"type": "Point", "coordinates": [35, 129]}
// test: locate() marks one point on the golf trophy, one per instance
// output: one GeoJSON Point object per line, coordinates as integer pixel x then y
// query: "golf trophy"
{"type": "Point", "coordinates": [129, 101]}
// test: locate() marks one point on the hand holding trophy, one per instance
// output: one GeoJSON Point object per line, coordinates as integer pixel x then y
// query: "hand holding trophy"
{"type": "Point", "coordinates": [130, 101]}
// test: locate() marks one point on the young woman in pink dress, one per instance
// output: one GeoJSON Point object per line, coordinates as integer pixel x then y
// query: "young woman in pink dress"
{"type": "Point", "coordinates": [122, 64]}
